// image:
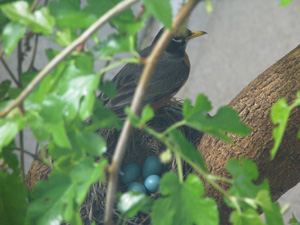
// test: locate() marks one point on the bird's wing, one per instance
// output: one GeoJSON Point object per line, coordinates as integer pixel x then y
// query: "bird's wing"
{"type": "Point", "coordinates": [166, 81]}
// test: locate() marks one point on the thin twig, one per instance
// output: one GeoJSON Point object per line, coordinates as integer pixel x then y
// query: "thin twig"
{"type": "Point", "coordinates": [11, 74]}
{"type": "Point", "coordinates": [34, 157]}
{"type": "Point", "coordinates": [31, 65]}
{"type": "Point", "coordinates": [20, 60]}
{"type": "Point", "coordinates": [100, 22]}
{"type": "Point", "coordinates": [137, 99]}
{"type": "Point", "coordinates": [22, 165]}
{"type": "Point", "coordinates": [34, 4]}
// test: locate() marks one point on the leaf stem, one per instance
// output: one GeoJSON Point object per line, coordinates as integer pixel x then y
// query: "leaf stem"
{"type": "Point", "coordinates": [37, 79]}
{"type": "Point", "coordinates": [179, 168]}
{"type": "Point", "coordinates": [12, 76]}
{"type": "Point", "coordinates": [173, 127]}
{"type": "Point", "coordinates": [34, 157]}
{"type": "Point", "coordinates": [22, 165]}
{"type": "Point", "coordinates": [31, 65]}
{"type": "Point", "coordinates": [135, 105]}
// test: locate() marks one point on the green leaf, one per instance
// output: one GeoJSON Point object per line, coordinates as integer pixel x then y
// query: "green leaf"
{"type": "Point", "coordinates": [43, 21]}
{"type": "Point", "coordinates": [280, 112]}
{"type": "Point", "coordinates": [294, 221]}
{"type": "Point", "coordinates": [186, 149]}
{"type": "Point", "coordinates": [226, 119]}
{"type": "Point", "coordinates": [63, 37]}
{"type": "Point", "coordinates": [131, 203]}
{"type": "Point", "coordinates": [4, 87]}
{"type": "Point", "coordinates": [109, 89]}
{"type": "Point", "coordinates": [147, 114]}
{"type": "Point", "coordinates": [104, 118]}
{"type": "Point", "coordinates": [69, 15]}
{"type": "Point", "coordinates": [249, 217]}
{"type": "Point", "coordinates": [11, 35]}
{"type": "Point", "coordinates": [161, 10]}
{"type": "Point", "coordinates": [13, 199]}
{"type": "Point", "coordinates": [201, 108]}
{"type": "Point", "coordinates": [10, 158]}
{"type": "Point", "coordinates": [84, 175]}
{"type": "Point", "coordinates": [209, 6]}
{"type": "Point", "coordinates": [9, 128]}
{"type": "Point", "coordinates": [27, 77]}
{"type": "Point", "coordinates": [47, 118]}
{"type": "Point", "coordinates": [134, 119]}
{"type": "Point", "coordinates": [80, 96]}
{"type": "Point", "coordinates": [115, 43]}
{"type": "Point", "coordinates": [92, 143]}
{"type": "Point", "coordinates": [52, 200]}
{"type": "Point", "coordinates": [18, 11]}
{"type": "Point", "coordinates": [183, 203]}
{"type": "Point", "coordinates": [244, 172]}
{"type": "Point", "coordinates": [271, 210]}
{"type": "Point", "coordinates": [285, 2]}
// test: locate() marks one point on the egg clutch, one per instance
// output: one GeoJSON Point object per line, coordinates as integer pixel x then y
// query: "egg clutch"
{"type": "Point", "coordinates": [131, 172]}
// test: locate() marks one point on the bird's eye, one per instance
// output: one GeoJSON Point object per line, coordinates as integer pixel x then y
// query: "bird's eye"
{"type": "Point", "coordinates": [177, 39]}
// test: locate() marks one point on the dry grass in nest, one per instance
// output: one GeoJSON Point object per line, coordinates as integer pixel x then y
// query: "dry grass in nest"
{"type": "Point", "coordinates": [141, 146]}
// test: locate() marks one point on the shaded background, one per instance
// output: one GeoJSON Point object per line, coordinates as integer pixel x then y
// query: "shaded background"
{"type": "Point", "coordinates": [244, 39]}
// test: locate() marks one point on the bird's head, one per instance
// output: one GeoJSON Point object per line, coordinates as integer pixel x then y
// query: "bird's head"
{"type": "Point", "coordinates": [179, 41]}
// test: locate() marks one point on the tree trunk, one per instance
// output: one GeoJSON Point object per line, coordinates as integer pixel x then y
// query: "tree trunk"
{"type": "Point", "coordinates": [282, 80]}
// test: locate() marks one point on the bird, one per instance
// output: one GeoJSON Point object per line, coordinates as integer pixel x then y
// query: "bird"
{"type": "Point", "coordinates": [170, 74]}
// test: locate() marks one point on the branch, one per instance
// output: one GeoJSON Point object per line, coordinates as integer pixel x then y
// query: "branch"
{"type": "Point", "coordinates": [137, 99]}
{"type": "Point", "coordinates": [10, 73]}
{"type": "Point", "coordinates": [100, 22]}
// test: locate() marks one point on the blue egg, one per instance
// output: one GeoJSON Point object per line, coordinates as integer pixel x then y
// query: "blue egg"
{"type": "Point", "coordinates": [152, 183]}
{"type": "Point", "coordinates": [152, 166]}
{"type": "Point", "coordinates": [136, 187]}
{"type": "Point", "coordinates": [130, 172]}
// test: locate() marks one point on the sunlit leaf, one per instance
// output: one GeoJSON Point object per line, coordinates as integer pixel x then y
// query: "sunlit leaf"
{"type": "Point", "coordinates": [115, 43]}
{"type": "Point", "coordinates": [147, 114]}
{"type": "Point", "coordinates": [8, 130]}
{"type": "Point", "coordinates": [270, 209]}
{"type": "Point", "coordinates": [43, 21]}
{"type": "Point", "coordinates": [285, 2]}
{"type": "Point", "coordinates": [11, 35]}
{"type": "Point", "coordinates": [279, 114]}
{"type": "Point", "coordinates": [18, 11]}
{"type": "Point", "coordinates": [249, 216]}
{"type": "Point", "coordinates": [131, 203]}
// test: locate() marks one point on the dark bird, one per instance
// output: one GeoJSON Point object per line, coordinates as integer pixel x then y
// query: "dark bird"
{"type": "Point", "coordinates": [170, 74]}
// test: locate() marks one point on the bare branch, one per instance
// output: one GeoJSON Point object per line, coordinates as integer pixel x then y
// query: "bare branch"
{"type": "Point", "coordinates": [137, 99]}
{"type": "Point", "coordinates": [100, 22]}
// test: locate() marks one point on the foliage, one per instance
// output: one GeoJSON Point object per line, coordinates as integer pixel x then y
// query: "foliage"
{"type": "Point", "coordinates": [280, 114]}
{"type": "Point", "coordinates": [56, 111]}
{"type": "Point", "coordinates": [285, 2]}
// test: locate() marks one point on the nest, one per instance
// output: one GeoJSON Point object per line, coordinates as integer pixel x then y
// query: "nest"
{"type": "Point", "coordinates": [140, 146]}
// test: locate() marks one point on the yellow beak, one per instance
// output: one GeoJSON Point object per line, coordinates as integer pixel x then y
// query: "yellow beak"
{"type": "Point", "coordinates": [195, 34]}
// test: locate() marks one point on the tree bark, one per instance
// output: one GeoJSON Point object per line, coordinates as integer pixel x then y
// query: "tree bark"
{"type": "Point", "coordinates": [253, 104]}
